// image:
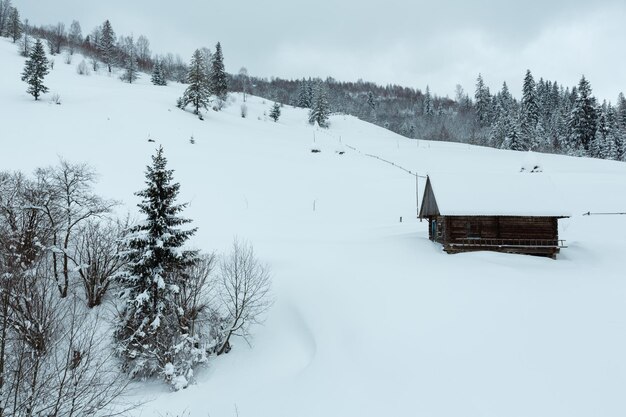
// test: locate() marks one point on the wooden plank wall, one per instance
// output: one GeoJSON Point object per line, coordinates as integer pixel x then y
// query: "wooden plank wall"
{"type": "Point", "coordinates": [500, 227]}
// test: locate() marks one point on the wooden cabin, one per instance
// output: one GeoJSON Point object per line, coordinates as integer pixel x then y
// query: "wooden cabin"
{"type": "Point", "coordinates": [503, 213]}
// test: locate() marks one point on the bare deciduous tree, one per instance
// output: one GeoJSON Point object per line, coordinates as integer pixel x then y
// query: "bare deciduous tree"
{"type": "Point", "coordinates": [197, 293]}
{"type": "Point", "coordinates": [244, 289]}
{"type": "Point", "coordinates": [245, 80]}
{"type": "Point", "coordinates": [75, 36]}
{"type": "Point", "coordinates": [56, 37]}
{"type": "Point", "coordinates": [96, 255]}
{"type": "Point", "coordinates": [69, 201]}
{"type": "Point", "coordinates": [143, 52]}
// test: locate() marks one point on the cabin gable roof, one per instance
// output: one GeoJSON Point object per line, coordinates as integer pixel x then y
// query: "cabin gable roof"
{"type": "Point", "coordinates": [429, 202]}
{"type": "Point", "coordinates": [523, 194]}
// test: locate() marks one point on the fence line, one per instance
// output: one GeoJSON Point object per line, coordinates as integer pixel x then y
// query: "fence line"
{"type": "Point", "coordinates": [385, 161]}
{"type": "Point", "coordinates": [603, 214]}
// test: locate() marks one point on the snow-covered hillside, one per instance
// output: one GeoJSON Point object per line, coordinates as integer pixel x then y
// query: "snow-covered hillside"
{"type": "Point", "coordinates": [370, 317]}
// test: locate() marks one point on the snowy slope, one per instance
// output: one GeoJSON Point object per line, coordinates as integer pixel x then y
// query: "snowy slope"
{"type": "Point", "coordinates": [370, 318]}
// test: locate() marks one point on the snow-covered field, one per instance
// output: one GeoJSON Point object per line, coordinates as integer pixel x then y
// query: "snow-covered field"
{"type": "Point", "coordinates": [370, 317]}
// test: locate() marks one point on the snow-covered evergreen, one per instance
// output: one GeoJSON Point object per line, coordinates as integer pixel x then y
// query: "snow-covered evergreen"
{"type": "Point", "coordinates": [529, 113]}
{"type": "Point", "coordinates": [483, 102]}
{"type": "Point", "coordinates": [583, 119]}
{"type": "Point", "coordinates": [150, 334]}
{"type": "Point", "coordinates": [429, 111]}
{"type": "Point", "coordinates": [198, 93]}
{"type": "Point", "coordinates": [304, 97]}
{"type": "Point", "coordinates": [320, 110]}
{"type": "Point", "coordinates": [275, 112]}
{"type": "Point", "coordinates": [106, 46]}
{"type": "Point", "coordinates": [35, 69]}
{"type": "Point", "coordinates": [158, 78]}
{"type": "Point", "coordinates": [218, 80]}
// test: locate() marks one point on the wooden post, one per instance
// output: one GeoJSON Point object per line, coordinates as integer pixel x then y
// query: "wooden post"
{"type": "Point", "coordinates": [417, 196]}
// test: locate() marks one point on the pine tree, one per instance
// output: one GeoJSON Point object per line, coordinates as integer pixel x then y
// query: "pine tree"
{"type": "Point", "coordinates": [198, 92]}
{"type": "Point", "coordinates": [429, 110]}
{"type": "Point", "coordinates": [149, 333]}
{"type": "Point", "coordinates": [512, 137]}
{"type": "Point", "coordinates": [219, 82]}
{"type": "Point", "coordinates": [614, 143]}
{"type": "Point", "coordinates": [310, 92]}
{"type": "Point", "coordinates": [529, 113]}
{"type": "Point", "coordinates": [35, 70]}
{"type": "Point", "coordinates": [483, 102]}
{"type": "Point", "coordinates": [621, 112]}
{"type": "Point", "coordinates": [598, 145]}
{"type": "Point", "coordinates": [14, 25]}
{"type": "Point", "coordinates": [505, 99]}
{"type": "Point", "coordinates": [275, 113]}
{"type": "Point", "coordinates": [158, 78]}
{"type": "Point", "coordinates": [371, 100]}
{"type": "Point", "coordinates": [303, 95]}
{"type": "Point", "coordinates": [504, 113]}
{"type": "Point", "coordinates": [320, 111]}
{"type": "Point", "coordinates": [583, 119]}
{"type": "Point", "coordinates": [107, 45]}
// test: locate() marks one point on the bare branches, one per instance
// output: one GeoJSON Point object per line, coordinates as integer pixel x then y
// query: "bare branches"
{"type": "Point", "coordinates": [197, 293]}
{"type": "Point", "coordinates": [96, 255]}
{"type": "Point", "coordinates": [244, 291]}
{"type": "Point", "coordinates": [68, 201]}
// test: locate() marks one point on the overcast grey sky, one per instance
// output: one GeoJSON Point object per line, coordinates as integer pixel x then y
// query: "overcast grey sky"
{"type": "Point", "coordinates": [411, 43]}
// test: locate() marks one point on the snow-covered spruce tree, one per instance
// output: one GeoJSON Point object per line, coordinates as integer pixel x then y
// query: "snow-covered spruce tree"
{"type": "Point", "coordinates": [35, 70]}
{"type": "Point", "coordinates": [483, 102]}
{"type": "Point", "coordinates": [529, 112]}
{"type": "Point", "coordinates": [621, 112]}
{"type": "Point", "coordinates": [598, 145]}
{"type": "Point", "coordinates": [275, 112]}
{"type": "Point", "coordinates": [512, 136]}
{"type": "Point", "coordinates": [504, 116]}
{"type": "Point", "coordinates": [583, 119]}
{"type": "Point", "coordinates": [198, 92]}
{"type": "Point", "coordinates": [428, 108]}
{"type": "Point", "coordinates": [219, 82]}
{"type": "Point", "coordinates": [304, 99]}
{"type": "Point", "coordinates": [151, 335]}
{"type": "Point", "coordinates": [158, 78]}
{"type": "Point", "coordinates": [615, 137]}
{"type": "Point", "coordinates": [107, 45]}
{"type": "Point", "coordinates": [320, 110]}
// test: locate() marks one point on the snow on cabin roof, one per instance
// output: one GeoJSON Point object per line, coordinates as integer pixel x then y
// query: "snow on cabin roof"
{"type": "Point", "coordinates": [522, 194]}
